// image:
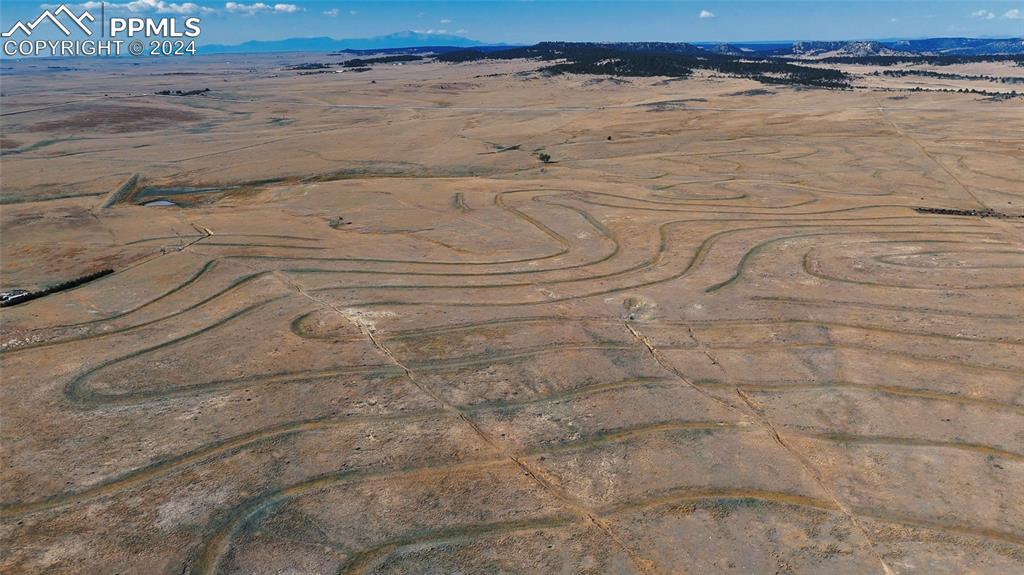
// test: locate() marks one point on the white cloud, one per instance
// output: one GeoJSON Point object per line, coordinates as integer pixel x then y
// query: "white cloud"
{"type": "Point", "coordinates": [462, 31]}
{"type": "Point", "coordinates": [431, 31]}
{"type": "Point", "coordinates": [704, 14]}
{"type": "Point", "coordinates": [353, 12]}
{"type": "Point", "coordinates": [445, 21]}
{"type": "Point", "coordinates": [165, 7]}
{"type": "Point", "coordinates": [141, 6]}
{"type": "Point", "coordinates": [983, 14]}
{"type": "Point", "coordinates": [333, 12]}
{"type": "Point", "coordinates": [894, 19]}
{"type": "Point", "coordinates": [260, 8]}
{"type": "Point", "coordinates": [1013, 14]}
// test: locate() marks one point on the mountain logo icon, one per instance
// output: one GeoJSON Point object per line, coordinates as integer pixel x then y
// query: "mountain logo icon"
{"type": "Point", "coordinates": [27, 28]}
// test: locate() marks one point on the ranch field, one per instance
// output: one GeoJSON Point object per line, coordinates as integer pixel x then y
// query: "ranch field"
{"type": "Point", "coordinates": [356, 324]}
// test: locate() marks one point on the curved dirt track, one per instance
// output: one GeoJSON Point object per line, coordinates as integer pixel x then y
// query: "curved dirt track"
{"type": "Point", "coordinates": [708, 340]}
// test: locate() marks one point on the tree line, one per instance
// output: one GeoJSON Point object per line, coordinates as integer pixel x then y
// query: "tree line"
{"type": "Point", "coordinates": [589, 58]}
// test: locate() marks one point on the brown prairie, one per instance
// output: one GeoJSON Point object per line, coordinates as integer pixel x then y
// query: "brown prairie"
{"type": "Point", "coordinates": [357, 325]}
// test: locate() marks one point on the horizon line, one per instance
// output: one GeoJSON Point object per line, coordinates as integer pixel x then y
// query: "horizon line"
{"type": "Point", "coordinates": [520, 43]}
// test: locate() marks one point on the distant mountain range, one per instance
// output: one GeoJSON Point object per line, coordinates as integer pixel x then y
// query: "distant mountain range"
{"type": "Point", "coordinates": [640, 47]}
{"type": "Point", "coordinates": [858, 48]}
{"type": "Point", "coordinates": [408, 39]}
{"type": "Point", "coordinates": [961, 46]}
{"type": "Point", "coordinates": [929, 47]}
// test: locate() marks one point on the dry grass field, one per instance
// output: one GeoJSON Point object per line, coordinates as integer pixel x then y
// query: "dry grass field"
{"type": "Point", "coordinates": [375, 333]}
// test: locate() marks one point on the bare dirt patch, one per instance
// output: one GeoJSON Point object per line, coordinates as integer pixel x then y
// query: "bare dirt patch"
{"type": "Point", "coordinates": [117, 119]}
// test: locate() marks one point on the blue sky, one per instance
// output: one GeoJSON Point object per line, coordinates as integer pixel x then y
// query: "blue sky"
{"type": "Point", "coordinates": [514, 21]}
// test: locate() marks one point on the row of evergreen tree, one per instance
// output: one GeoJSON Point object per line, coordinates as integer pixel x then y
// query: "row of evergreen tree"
{"type": "Point", "coordinates": [585, 58]}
